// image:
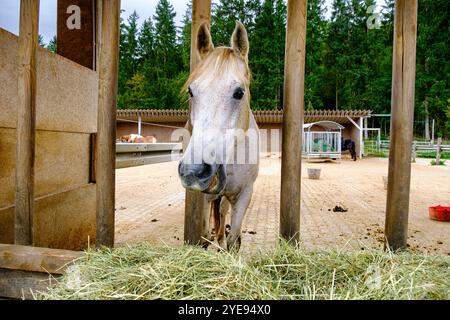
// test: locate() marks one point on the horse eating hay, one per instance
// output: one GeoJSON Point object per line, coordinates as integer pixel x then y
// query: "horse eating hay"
{"type": "Point", "coordinates": [223, 132]}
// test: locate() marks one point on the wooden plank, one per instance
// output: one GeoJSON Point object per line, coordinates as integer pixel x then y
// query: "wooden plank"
{"type": "Point", "coordinates": [26, 121]}
{"type": "Point", "coordinates": [25, 258]}
{"type": "Point", "coordinates": [293, 121]}
{"type": "Point", "coordinates": [16, 284]}
{"type": "Point", "coordinates": [7, 225]}
{"type": "Point", "coordinates": [402, 110]}
{"type": "Point", "coordinates": [63, 102]}
{"type": "Point", "coordinates": [65, 220]}
{"type": "Point", "coordinates": [106, 136]}
{"type": "Point", "coordinates": [62, 162]}
{"type": "Point", "coordinates": [75, 37]}
{"type": "Point", "coordinates": [196, 217]}
{"type": "Point", "coordinates": [144, 147]}
{"type": "Point", "coordinates": [7, 167]}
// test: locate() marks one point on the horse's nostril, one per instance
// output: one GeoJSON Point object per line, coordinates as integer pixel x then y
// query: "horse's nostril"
{"type": "Point", "coordinates": [200, 171]}
{"type": "Point", "coordinates": [206, 171]}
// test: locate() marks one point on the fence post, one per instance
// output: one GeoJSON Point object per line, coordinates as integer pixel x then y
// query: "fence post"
{"type": "Point", "coordinates": [106, 135]}
{"type": "Point", "coordinates": [196, 216]}
{"type": "Point", "coordinates": [414, 148]}
{"type": "Point", "coordinates": [293, 121]}
{"type": "Point", "coordinates": [438, 151]}
{"type": "Point", "coordinates": [26, 122]}
{"type": "Point", "coordinates": [403, 85]}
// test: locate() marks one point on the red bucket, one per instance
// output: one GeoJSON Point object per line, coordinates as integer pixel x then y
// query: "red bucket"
{"type": "Point", "coordinates": [439, 213]}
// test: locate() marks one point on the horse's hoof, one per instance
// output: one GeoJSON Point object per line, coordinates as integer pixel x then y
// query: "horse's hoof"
{"type": "Point", "coordinates": [205, 245]}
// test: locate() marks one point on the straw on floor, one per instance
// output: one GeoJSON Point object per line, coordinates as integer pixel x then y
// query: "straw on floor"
{"type": "Point", "coordinates": [164, 272]}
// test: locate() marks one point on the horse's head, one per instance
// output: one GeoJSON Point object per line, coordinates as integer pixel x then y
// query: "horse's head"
{"type": "Point", "coordinates": [219, 107]}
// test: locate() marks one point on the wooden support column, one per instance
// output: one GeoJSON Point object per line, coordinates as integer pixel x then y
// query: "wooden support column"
{"type": "Point", "coordinates": [106, 135]}
{"type": "Point", "coordinates": [361, 140]}
{"type": "Point", "coordinates": [196, 217]}
{"type": "Point", "coordinates": [402, 110]}
{"type": "Point", "coordinates": [294, 74]}
{"type": "Point", "coordinates": [26, 122]}
{"type": "Point", "coordinates": [139, 125]}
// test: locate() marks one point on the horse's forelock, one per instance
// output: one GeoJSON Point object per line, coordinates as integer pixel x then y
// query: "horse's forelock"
{"type": "Point", "coordinates": [219, 61]}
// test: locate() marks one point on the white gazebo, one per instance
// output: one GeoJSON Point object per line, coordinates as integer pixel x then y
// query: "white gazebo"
{"type": "Point", "coordinates": [322, 140]}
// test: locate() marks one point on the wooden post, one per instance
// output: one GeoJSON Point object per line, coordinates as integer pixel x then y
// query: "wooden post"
{"type": "Point", "coordinates": [26, 122]}
{"type": "Point", "coordinates": [106, 135]}
{"type": "Point", "coordinates": [196, 217]}
{"type": "Point", "coordinates": [366, 132]}
{"type": "Point", "coordinates": [294, 74]}
{"type": "Point", "coordinates": [438, 151]}
{"type": "Point", "coordinates": [402, 110]}
{"type": "Point", "coordinates": [361, 140]}
{"type": "Point", "coordinates": [432, 132]}
{"type": "Point", "coordinates": [139, 125]}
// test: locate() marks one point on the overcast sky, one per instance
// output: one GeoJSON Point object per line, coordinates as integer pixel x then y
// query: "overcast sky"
{"type": "Point", "coordinates": [9, 13]}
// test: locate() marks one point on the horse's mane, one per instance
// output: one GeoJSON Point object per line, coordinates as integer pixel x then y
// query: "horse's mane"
{"type": "Point", "coordinates": [219, 62]}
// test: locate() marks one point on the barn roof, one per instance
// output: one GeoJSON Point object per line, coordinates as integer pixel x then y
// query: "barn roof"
{"type": "Point", "coordinates": [324, 124]}
{"type": "Point", "coordinates": [261, 116]}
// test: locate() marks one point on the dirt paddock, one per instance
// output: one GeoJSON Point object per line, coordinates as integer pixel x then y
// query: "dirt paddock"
{"type": "Point", "coordinates": [150, 206]}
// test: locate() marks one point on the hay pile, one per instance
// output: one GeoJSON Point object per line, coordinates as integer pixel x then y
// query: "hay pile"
{"type": "Point", "coordinates": [163, 272]}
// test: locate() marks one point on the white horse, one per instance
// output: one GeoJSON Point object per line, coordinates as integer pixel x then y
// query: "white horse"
{"type": "Point", "coordinates": [222, 158]}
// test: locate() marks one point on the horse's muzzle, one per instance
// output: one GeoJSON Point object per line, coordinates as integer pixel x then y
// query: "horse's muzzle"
{"type": "Point", "coordinates": [206, 178]}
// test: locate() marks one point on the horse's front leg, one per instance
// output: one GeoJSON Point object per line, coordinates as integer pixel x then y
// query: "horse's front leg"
{"type": "Point", "coordinates": [238, 208]}
{"type": "Point", "coordinates": [221, 238]}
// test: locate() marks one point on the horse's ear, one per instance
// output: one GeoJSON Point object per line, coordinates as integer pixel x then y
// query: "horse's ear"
{"type": "Point", "coordinates": [204, 41]}
{"type": "Point", "coordinates": [239, 41]}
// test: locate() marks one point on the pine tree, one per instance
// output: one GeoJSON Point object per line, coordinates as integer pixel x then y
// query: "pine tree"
{"type": "Point", "coordinates": [52, 45]}
{"type": "Point", "coordinates": [146, 42]}
{"type": "Point", "coordinates": [41, 41]}
{"type": "Point", "coordinates": [315, 37]}
{"type": "Point", "coordinates": [263, 60]}
{"type": "Point", "coordinates": [128, 59]}
{"type": "Point", "coordinates": [169, 73]}
{"type": "Point", "coordinates": [131, 47]}
{"type": "Point", "coordinates": [166, 39]}
{"type": "Point", "coordinates": [185, 38]}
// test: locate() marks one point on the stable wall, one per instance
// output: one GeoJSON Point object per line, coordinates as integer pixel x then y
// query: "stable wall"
{"type": "Point", "coordinates": [66, 117]}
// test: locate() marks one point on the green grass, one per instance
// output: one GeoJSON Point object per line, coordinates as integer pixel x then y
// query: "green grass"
{"type": "Point", "coordinates": [432, 155]}
{"type": "Point", "coordinates": [441, 163]}
{"type": "Point", "coordinates": [164, 272]}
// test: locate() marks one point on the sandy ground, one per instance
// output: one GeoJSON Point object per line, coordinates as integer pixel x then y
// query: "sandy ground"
{"type": "Point", "coordinates": [150, 206]}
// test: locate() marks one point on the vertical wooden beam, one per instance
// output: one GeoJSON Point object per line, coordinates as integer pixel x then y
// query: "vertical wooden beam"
{"type": "Point", "coordinates": [139, 124]}
{"type": "Point", "coordinates": [26, 121]}
{"type": "Point", "coordinates": [106, 135]}
{"type": "Point", "coordinates": [361, 140]}
{"type": "Point", "coordinates": [196, 217]}
{"type": "Point", "coordinates": [366, 125]}
{"type": "Point", "coordinates": [438, 151]}
{"type": "Point", "coordinates": [294, 74]}
{"type": "Point", "coordinates": [402, 110]}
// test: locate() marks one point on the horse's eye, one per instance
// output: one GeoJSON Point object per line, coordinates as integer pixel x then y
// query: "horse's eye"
{"type": "Point", "coordinates": [238, 94]}
{"type": "Point", "coordinates": [190, 92]}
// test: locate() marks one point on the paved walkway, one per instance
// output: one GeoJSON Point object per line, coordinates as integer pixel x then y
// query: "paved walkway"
{"type": "Point", "coordinates": [150, 206]}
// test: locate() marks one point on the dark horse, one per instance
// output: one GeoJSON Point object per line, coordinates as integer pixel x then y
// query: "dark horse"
{"type": "Point", "coordinates": [348, 144]}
